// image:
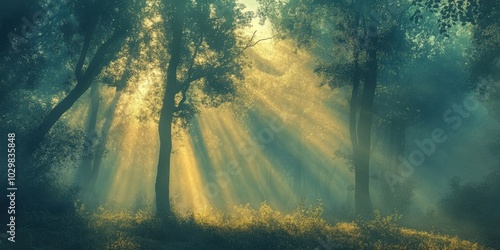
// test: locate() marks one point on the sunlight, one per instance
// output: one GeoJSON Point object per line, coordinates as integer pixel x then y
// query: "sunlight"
{"type": "Point", "coordinates": [246, 171]}
{"type": "Point", "coordinates": [250, 124]}
{"type": "Point", "coordinates": [128, 169]}
{"type": "Point", "coordinates": [225, 160]}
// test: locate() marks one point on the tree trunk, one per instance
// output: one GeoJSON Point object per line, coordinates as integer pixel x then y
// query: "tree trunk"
{"type": "Point", "coordinates": [103, 140]}
{"type": "Point", "coordinates": [162, 185]}
{"type": "Point", "coordinates": [90, 136]}
{"type": "Point", "coordinates": [56, 113]}
{"type": "Point", "coordinates": [362, 199]}
{"type": "Point", "coordinates": [102, 57]}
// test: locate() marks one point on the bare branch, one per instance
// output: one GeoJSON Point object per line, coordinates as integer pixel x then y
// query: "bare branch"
{"type": "Point", "coordinates": [251, 43]}
{"type": "Point", "coordinates": [261, 40]}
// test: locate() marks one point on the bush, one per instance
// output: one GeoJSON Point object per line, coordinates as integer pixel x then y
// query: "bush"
{"type": "Point", "coordinates": [477, 204]}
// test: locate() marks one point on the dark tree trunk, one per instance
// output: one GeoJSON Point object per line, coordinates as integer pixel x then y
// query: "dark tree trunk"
{"type": "Point", "coordinates": [102, 57]}
{"type": "Point", "coordinates": [58, 111]}
{"type": "Point", "coordinates": [162, 185]}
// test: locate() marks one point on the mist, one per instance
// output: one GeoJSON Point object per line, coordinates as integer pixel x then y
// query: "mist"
{"type": "Point", "coordinates": [174, 124]}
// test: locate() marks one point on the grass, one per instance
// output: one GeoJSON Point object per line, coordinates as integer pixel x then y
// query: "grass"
{"type": "Point", "coordinates": [241, 227]}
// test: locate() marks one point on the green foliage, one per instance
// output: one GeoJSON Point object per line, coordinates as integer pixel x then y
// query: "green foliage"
{"type": "Point", "coordinates": [212, 55]}
{"type": "Point", "coordinates": [212, 51]}
{"type": "Point", "coordinates": [297, 19]}
{"type": "Point", "coordinates": [451, 12]}
{"type": "Point", "coordinates": [485, 60]}
{"type": "Point", "coordinates": [112, 14]}
{"type": "Point", "coordinates": [382, 228]}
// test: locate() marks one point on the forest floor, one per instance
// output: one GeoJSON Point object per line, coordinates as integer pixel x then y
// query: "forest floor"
{"type": "Point", "coordinates": [241, 228]}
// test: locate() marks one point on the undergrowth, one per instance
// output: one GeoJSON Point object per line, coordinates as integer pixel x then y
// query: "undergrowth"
{"type": "Point", "coordinates": [240, 227]}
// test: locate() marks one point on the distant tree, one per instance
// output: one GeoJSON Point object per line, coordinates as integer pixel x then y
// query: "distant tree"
{"type": "Point", "coordinates": [473, 202]}
{"type": "Point", "coordinates": [346, 36]}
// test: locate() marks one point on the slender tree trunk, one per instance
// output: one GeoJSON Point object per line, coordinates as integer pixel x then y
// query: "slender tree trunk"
{"type": "Point", "coordinates": [362, 163]}
{"type": "Point", "coordinates": [353, 109]}
{"type": "Point", "coordinates": [353, 105]}
{"type": "Point", "coordinates": [162, 185]}
{"type": "Point", "coordinates": [90, 136]}
{"type": "Point", "coordinates": [103, 140]}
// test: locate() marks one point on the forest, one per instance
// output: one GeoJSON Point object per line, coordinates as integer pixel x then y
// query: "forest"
{"type": "Point", "coordinates": [250, 124]}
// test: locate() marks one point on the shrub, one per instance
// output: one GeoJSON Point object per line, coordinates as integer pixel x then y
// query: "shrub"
{"type": "Point", "coordinates": [477, 204]}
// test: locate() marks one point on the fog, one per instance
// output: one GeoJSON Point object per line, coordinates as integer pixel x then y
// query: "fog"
{"type": "Point", "coordinates": [268, 108]}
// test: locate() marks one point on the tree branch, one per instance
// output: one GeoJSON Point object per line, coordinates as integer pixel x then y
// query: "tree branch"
{"type": "Point", "coordinates": [184, 86]}
{"type": "Point", "coordinates": [88, 38]}
{"type": "Point", "coordinates": [251, 43]}
{"type": "Point", "coordinates": [184, 98]}
{"type": "Point", "coordinates": [85, 49]}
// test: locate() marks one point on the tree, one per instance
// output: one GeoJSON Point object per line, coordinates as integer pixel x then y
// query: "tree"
{"type": "Point", "coordinates": [106, 29]}
{"type": "Point", "coordinates": [22, 29]}
{"type": "Point", "coordinates": [353, 59]}
{"type": "Point", "coordinates": [206, 53]}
